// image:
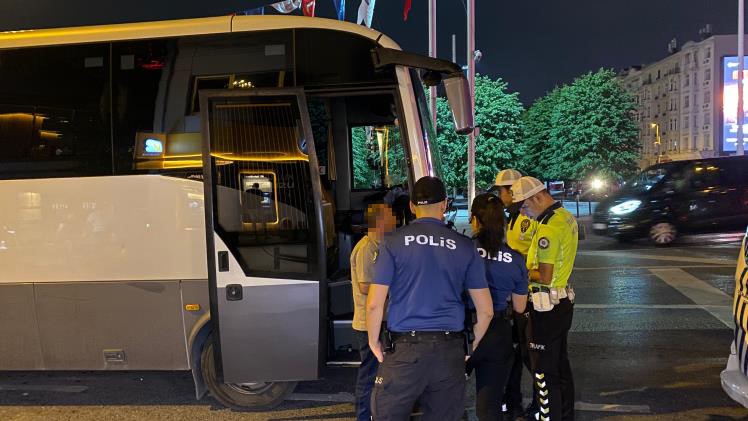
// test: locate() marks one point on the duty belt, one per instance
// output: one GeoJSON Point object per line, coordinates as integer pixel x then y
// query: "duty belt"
{"type": "Point", "coordinates": [562, 292]}
{"type": "Point", "coordinates": [418, 336]}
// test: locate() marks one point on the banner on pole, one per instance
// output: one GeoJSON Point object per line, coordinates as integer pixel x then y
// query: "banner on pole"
{"type": "Point", "coordinates": [406, 9]}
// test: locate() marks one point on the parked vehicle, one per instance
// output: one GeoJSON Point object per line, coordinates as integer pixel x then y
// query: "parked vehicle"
{"type": "Point", "coordinates": [671, 198]}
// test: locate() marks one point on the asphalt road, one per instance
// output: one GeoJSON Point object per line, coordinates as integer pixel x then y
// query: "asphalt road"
{"type": "Point", "coordinates": [651, 334]}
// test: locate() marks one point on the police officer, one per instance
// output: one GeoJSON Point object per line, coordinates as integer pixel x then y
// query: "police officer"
{"type": "Point", "coordinates": [550, 262]}
{"type": "Point", "coordinates": [425, 267]}
{"type": "Point", "coordinates": [507, 277]}
{"type": "Point", "coordinates": [520, 228]}
{"type": "Point", "coordinates": [519, 232]}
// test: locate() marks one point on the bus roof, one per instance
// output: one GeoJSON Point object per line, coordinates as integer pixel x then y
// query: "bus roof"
{"type": "Point", "coordinates": [181, 27]}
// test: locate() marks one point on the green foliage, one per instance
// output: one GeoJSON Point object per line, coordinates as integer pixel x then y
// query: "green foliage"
{"type": "Point", "coordinates": [368, 171]}
{"type": "Point", "coordinates": [582, 129]}
{"type": "Point", "coordinates": [499, 115]}
{"type": "Point", "coordinates": [536, 155]}
{"type": "Point", "coordinates": [363, 169]}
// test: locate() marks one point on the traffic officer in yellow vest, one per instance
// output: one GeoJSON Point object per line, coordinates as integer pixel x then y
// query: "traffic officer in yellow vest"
{"type": "Point", "coordinates": [550, 261]}
{"type": "Point", "coordinates": [520, 228]}
{"type": "Point", "coordinates": [519, 231]}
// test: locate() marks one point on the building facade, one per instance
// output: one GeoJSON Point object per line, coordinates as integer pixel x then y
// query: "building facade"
{"type": "Point", "coordinates": [679, 101]}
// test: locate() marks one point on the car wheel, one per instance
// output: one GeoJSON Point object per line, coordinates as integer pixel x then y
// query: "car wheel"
{"type": "Point", "coordinates": [257, 396]}
{"type": "Point", "coordinates": [663, 233]}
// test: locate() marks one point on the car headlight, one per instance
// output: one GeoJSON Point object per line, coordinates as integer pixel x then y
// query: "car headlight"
{"type": "Point", "coordinates": [626, 207]}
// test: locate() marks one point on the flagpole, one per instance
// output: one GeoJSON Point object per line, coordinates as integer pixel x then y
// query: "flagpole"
{"type": "Point", "coordinates": [471, 81]}
{"type": "Point", "coordinates": [432, 53]}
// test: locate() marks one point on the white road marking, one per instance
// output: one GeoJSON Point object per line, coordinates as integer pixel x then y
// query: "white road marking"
{"type": "Point", "coordinates": [662, 257]}
{"type": "Point", "coordinates": [605, 407]}
{"type": "Point", "coordinates": [721, 265]}
{"type": "Point", "coordinates": [711, 299]}
{"type": "Point", "coordinates": [341, 397]}
{"type": "Point", "coordinates": [654, 306]}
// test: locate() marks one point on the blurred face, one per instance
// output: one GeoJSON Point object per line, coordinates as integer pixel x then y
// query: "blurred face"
{"type": "Point", "coordinates": [385, 220]}
{"type": "Point", "coordinates": [505, 194]}
{"type": "Point", "coordinates": [532, 206]}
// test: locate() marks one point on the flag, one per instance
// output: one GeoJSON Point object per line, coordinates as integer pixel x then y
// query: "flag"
{"type": "Point", "coordinates": [406, 10]}
{"type": "Point", "coordinates": [339, 8]}
{"type": "Point", "coordinates": [286, 6]}
{"type": "Point", "coordinates": [366, 12]}
{"type": "Point", "coordinates": [307, 6]}
{"type": "Point", "coordinates": [258, 11]}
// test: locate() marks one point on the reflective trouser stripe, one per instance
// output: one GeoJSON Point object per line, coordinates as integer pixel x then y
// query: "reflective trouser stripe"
{"type": "Point", "coordinates": [543, 398]}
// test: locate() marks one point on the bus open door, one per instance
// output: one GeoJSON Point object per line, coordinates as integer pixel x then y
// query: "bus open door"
{"type": "Point", "coordinates": [265, 248]}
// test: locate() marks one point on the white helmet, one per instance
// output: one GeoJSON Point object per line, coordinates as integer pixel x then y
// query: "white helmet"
{"type": "Point", "coordinates": [507, 177]}
{"type": "Point", "coordinates": [526, 187]}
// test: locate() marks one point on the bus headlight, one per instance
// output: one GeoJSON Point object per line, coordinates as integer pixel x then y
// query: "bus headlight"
{"type": "Point", "coordinates": [625, 207]}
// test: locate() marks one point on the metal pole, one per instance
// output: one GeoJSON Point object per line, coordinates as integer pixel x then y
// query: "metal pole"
{"type": "Point", "coordinates": [432, 53]}
{"type": "Point", "coordinates": [454, 48]}
{"type": "Point", "coordinates": [741, 52]}
{"type": "Point", "coordinates": [471, 81]}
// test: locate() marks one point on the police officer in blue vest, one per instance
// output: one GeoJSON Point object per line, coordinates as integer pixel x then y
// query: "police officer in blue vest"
{"type": "Point", "coordinates": [425, 267]}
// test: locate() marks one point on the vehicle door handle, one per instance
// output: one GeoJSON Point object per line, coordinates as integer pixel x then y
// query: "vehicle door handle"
{"type": "Point", "coordinates": [234, 292]}
{"type": "Point", "coordinates": [223, 261]}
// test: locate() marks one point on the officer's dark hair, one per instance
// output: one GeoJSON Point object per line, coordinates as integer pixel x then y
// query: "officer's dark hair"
{"type": "Point", "coordinates": [490, 213]}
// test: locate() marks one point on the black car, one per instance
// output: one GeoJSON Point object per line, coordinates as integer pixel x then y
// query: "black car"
{"type": "Point", "coordinates": [664, 200]}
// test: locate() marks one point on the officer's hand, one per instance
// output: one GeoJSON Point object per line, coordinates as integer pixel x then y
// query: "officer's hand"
{"type": "Point", "coordinates": [376, 348]}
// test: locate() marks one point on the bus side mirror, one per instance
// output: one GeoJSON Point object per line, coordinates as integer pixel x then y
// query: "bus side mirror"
{"type": "Point", "coordinates": [458, 95]}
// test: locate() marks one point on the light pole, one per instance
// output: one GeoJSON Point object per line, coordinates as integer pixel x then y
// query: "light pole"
{"type": "Point", "coordinates": [741, 37]}
{"type": "Point", "coordinates": [471, 81]}
{"type": "Point", "coordinates": [657, 140]}
{"type": "Point", "coordinates": [432, 53]}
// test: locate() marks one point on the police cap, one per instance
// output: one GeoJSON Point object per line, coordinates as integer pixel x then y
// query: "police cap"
{"type": "Point", "coordinates": [428, 190]}
{"type": "Point", "coordinates": [525, 188]}
{"type": "Point", "coordinates": [507, 177]}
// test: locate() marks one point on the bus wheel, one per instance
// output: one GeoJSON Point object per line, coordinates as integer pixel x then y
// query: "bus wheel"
{"type": "Point", "coordinates": [663, 233]}
{"type": "Point", "coordinates": [242, 396]}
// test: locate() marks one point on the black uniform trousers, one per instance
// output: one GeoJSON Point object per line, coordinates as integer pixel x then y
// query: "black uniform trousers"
{"type": "Point", "coordinates": [427, 368]}
{"type": "Point", "coordinates": [513, 394]}
{"type": "Point", "coordinates": [492, 361]}
{"type": "Point", "coordinates": [552, 379]}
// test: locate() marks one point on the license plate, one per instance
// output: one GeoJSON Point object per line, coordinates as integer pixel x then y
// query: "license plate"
{"type": "Point", "coordinates": [599, 226]}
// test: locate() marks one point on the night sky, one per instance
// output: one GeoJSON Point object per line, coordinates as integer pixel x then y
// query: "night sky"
{"type": "Point", "coordinates": [533, 45]}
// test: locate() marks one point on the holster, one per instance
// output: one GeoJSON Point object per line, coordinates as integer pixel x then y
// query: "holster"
{"type": "Point", "coordinates": [385, 337]}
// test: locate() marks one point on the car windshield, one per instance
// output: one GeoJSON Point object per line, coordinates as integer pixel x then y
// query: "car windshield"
{"type": "Point", "coordinates": [649, 178]}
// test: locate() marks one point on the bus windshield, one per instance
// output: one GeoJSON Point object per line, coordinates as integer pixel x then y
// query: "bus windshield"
{"type": "Point", "coordinates": [427, 125]}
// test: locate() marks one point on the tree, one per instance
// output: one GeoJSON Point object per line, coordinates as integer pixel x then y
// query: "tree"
{"type": "Point", "coordinates": [592, 129]}
{"type": "Point", "coordinates": [536, 151]}
{"type": "Point", "coordinates": [499, 115]}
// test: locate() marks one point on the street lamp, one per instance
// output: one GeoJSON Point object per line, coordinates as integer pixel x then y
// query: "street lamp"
{"type": "Point", "coordinates": [657, 140]}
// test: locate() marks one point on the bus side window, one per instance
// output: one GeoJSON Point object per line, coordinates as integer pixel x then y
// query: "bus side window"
{"type": "Point", "coordinates": [138, 92]}
{"type": "Point", "coordinates": [54, 112]}
{"type": "Point", "coordinates": [378, 157]}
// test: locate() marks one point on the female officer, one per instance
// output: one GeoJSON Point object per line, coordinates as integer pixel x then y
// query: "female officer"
{"type": "Point", "coordinates": [506, 274]}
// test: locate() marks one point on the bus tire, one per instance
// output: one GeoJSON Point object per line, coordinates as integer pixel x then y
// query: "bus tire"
{"type": "Point", "coordinates": [245, 396]}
